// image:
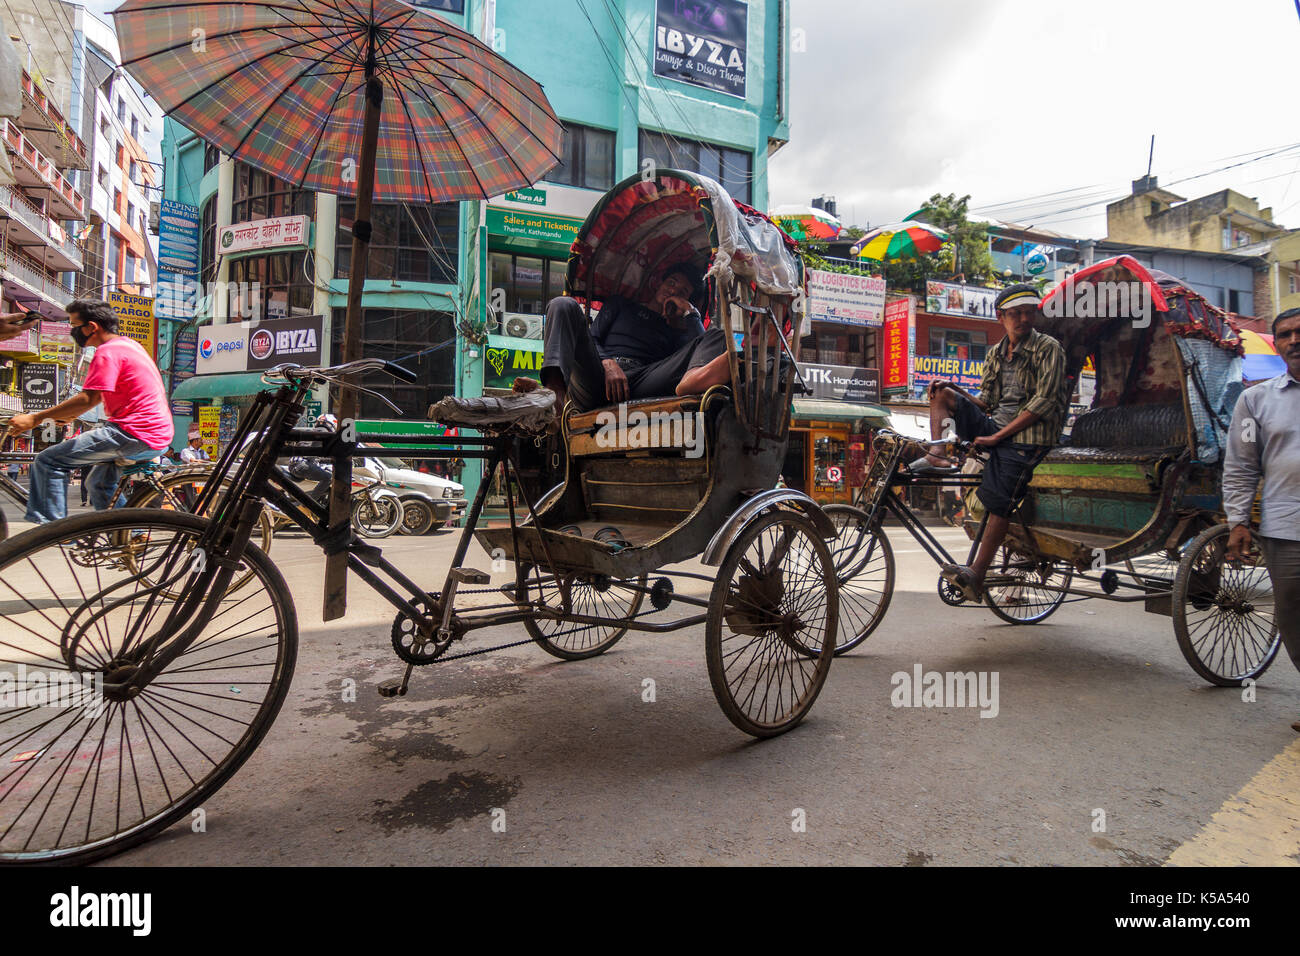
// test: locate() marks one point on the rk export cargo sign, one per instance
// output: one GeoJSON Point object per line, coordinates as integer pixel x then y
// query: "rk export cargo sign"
{"type": "Point", "coordinates": [703, 42]}
{"type": "Point", "coordinates": [135, 319]}
{"type": "Point", "coordinates": [851, 299]}
{"type": "Point", "coordinates": [263, 234]}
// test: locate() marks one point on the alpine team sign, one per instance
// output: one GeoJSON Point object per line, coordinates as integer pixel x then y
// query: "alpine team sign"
{"type": "Point", "coordinates": [702, 42]}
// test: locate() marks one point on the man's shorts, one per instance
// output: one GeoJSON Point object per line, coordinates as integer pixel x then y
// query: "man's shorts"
{"type": "Point", "coordinates": [1010, 465]}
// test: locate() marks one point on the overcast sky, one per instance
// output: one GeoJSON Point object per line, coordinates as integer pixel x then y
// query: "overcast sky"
{"type": "Point", "coordinates": [1008, 99]}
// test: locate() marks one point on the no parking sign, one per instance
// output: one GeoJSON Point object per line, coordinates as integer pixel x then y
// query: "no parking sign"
{"type": "Point", "coordinates": [834, 474]}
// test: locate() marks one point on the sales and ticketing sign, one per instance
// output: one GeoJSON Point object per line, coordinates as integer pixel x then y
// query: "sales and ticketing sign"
{"type": "Point", "coordinates": [537, 226]}
{"type": "Point", "coordinates": [135, 319]}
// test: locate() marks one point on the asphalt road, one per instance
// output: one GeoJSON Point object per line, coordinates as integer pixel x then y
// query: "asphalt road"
{"type": "Point", "coordinates": [1099, 721]}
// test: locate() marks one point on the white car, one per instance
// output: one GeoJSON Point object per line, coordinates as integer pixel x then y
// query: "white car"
{"type": "Point", "coordinates": [398, 475]}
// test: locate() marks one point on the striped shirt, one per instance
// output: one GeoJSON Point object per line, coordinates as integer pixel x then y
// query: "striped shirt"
{"type": "Point", "coordinates": [1039, 364]}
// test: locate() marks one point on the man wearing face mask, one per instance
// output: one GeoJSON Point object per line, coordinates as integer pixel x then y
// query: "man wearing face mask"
{"type": "Point", "coordinates": [126, 381]}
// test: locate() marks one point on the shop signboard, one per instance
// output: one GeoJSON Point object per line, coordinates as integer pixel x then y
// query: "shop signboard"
{"type": "Point", "coordinates": [210, 428]}
{"type": "Point", "coordinates": [178, 296]}
{"type": "Point", "coordinates": [40, 386]}
{"type": "Point", "coordinates": [504, 365]}
{"type": "Point", "coordinates": [899, 339]}
{"type": "Point", "coordinates": [842, 383]}
{"type": "Point", "coordinates": [57, 344]}
{"type": "Point", "coordinates": [296, 340]}
{"type": "Point", "coordinates": [178, 237]}
{"type": "Point", "coordinates": [967, 301]}
{"type": "Point", "coordinates": [535, 226]}
{"type": "Point", "coordinates": [185, 347]}
{"type": "Point", "coordinates": [703, 42]}
{"type": "Point", "coordinates": [850, 299]}
{"type": "Point", "coordinates": [964, 372]}
{"type": "Point", "coordinates": [135, 319]}
{"type": "Point", "coordinates": [222, 348]}
{"type": "Point", "coordinates": [263, 234]}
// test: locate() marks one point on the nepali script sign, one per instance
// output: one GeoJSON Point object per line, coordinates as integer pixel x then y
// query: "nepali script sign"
{"type": "Point", "coordinates": [851, 299]}
{"type": "Point", "coordinates": [263, 234]}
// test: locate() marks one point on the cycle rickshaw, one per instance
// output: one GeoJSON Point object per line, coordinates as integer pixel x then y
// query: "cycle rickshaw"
{"type": "Point", "coordinates": [1127, 509]}
{"type": "Point", "coordinates": [170, 676]}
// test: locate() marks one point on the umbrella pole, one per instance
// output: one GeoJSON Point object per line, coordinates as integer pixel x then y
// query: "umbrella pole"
{"type": "Point", "coordinates": [336, 565]}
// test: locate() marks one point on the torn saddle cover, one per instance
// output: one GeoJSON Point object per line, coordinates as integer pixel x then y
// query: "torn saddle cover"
{"type": "Point", "coordinates": [528, 414]}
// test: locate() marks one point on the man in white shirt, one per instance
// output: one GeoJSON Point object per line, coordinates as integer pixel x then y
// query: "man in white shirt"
{"type": "Point", "coordinates": [1264, 445]}
{"type": "Point", "coordinates": [194, 452]}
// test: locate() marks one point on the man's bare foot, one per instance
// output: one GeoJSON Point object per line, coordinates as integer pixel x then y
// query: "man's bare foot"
{"type": "Point", "coordinates": [932, 457]}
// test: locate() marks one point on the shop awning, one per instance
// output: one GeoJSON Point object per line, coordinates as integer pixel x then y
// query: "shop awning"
{"type": "Point", "coordinates": [824, 410]}
{"type": "Point", "coordinates": [219, 386]}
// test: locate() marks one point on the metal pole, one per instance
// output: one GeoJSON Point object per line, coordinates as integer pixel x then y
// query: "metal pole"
{"type": "Point", "coordinates": [336, 565]}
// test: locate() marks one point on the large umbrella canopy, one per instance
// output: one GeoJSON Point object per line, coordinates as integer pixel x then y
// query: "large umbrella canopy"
{"type": "Point", "coordinates": [1261, 360]}
{"type": "Point", "coordinates": [806, 222]}
{"type": "Point", "coordinates": [900, 240]}
{"type": "Point", "coordinates": [282, 87]}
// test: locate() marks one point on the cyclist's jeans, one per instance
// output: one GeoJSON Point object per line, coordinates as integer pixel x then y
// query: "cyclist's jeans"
{"type": "Point", "coordinates": [52, 470]}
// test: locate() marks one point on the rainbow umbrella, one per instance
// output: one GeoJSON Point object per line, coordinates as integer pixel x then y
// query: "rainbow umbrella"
{"type": "Point", "coordinates": [1261, 360]}
{"type": "Point", "coordinates": [807, 222]}
{"type": "Point", "coordinates": [901, 240]}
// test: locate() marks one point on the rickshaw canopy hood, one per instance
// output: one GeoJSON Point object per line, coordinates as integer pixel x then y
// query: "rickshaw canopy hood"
{"type": "Point", "coordinates": [643, 226]}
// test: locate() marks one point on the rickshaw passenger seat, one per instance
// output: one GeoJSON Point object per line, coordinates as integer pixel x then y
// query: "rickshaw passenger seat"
{"type": "Point", "coordinates": [1127, 433]}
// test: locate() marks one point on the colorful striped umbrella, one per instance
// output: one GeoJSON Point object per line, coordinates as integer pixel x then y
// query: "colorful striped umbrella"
{"type": "Point", "coordinates": [282, 86]}
{"type": "Point", "coordinates": [901, 240]}
{"type": "Point", "coordinates": [1261, 360]}
{"type": "Point", "coordinates": [806, 222]}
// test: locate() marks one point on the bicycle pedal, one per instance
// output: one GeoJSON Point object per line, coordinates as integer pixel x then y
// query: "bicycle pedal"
{"type": "Point", "coordinates": [470, 576]}
{"type": "Point", "coordinates": [392, 688]}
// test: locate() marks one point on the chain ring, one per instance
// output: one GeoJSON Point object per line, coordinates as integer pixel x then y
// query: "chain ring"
{"type": "Point", "coordinates": [950, 594]}
{"type": "Point", "coordinates": [405, 632]}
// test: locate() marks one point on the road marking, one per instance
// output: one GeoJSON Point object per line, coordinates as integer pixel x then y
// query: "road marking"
{"type": "Point", "coordinates": [1260, 826]}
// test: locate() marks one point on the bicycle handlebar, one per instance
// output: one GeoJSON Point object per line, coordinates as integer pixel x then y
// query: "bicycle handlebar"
{"type": "Point", "coordinates": [330, 373]}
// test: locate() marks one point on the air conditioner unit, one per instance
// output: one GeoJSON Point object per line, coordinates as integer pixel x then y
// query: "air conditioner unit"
{"type": "Point", "coordinates": [523, 326]}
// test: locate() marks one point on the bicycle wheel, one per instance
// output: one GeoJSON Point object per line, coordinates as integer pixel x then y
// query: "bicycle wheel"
{"type": "Point", "coordinates": [179, 491]}
{"type": "Point", "coordinates": [592, 597]}
{"type": "Point", "coordinates": [91, 769]}
{"type": "Point", "coordinates": [864, 570]}
{"type": "Point", "coordinates": [770, 634]}
{"type": "Point", "coordinates": [1223, 612]}
{"type": "Point", "coordinates": [1021, 597]}
{"type": "Point", "coordinates": [376, 517]}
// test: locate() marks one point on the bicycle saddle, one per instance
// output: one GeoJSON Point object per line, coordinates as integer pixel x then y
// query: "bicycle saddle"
{"type": "Point", "coordinates": [528, 414]}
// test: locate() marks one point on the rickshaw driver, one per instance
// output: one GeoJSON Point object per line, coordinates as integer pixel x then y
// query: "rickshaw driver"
{"type": "Point", "coordinates": [1024, 396]}
{"type": "Point", "coordinates": [630, 350]}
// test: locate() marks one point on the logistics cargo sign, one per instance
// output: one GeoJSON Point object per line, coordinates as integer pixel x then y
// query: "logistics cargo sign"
{"type": "Point", "coordinates": [850, 299]}
{"type": "Point", "coordinates": [703, 42]}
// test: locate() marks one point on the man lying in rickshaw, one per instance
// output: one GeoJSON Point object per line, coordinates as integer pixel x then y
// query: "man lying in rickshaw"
{"type": "Point", "coordinates": [632, 350]}
{"type": "Point", "coordinates": [1017, 417]}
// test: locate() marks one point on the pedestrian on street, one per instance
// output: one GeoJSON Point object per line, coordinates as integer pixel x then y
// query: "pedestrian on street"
{"type": "Point", "coordinates": [1264, 445]}
{"type": "Point", "coordinates": [194, 452]}
{"type": "Point", "coordinates": [127, 382]}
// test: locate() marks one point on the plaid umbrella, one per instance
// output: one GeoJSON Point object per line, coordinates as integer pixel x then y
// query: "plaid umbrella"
{"type": "Point", "coordinates": [902, 240]}
{"type": "Point", "coordinates": [373, 98]}
{"type": "Point", "coordinates": [282, 87]}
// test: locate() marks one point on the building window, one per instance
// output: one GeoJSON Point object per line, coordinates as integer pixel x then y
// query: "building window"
{"type": "Point", "coordinates": [834, 344]}
{"type": "Point", "coordinates": [733, 168]}
{"type": "Point", "coordinates": [529, 283]}
{"type": "Point", "coordinates": [121, 110]}
{"type": "Point", "coordinates": [128, 270]}
{"type": "Point", "coordinates": [135, 172]}
{"type": "Point", "coordinates": [1241, 302]}
{"type": "Point", "coordinates": [90, 281]}
{"type": "Point", "coordinates": [442, 6]}
{"type": "Point", "coordinates": [130, 215]}
{"type": "Point", "coordinates": [101, 177]}
{"type": "Point", "coordinates": [282, 286]}
{"type": "Point", "coordinates": [405, 337]}
{"type": "Point", "coordinates": [1293, 284]}
{"type": "Point", "coordinates": [586, 158]}
{"type": "Point", "coordinates": [117, 201]}
{"type": "Point", "coordinates": [121, 156]}
{"type": "Point", "coordinates": [104, 128]}
{"type": "Point", "coordinates": [135, 128]}
{"type": "Point", "coordinates": [211, 156]}
{"type": "Point", "coordinates": [407, 242]}
{"type": "Point", "coordinates": [208, 244]}
{"type": "Point", "coordinates": [259, 195]}
{"type": "Point", "coordinates": [958, 344]}
{"type": "Point", "coordinates": [114, 253]}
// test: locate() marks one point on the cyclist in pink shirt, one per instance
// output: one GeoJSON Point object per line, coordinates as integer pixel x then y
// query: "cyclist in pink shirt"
{"type": "Point", "coordinates": [127, 382]}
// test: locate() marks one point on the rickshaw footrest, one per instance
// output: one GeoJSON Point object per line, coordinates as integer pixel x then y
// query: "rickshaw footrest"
{"type": "Point", "coordinates": [470, 576]}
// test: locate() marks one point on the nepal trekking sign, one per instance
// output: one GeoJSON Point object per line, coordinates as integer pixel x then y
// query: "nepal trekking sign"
{"type": "Point", "coordinates": [702, 42]}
